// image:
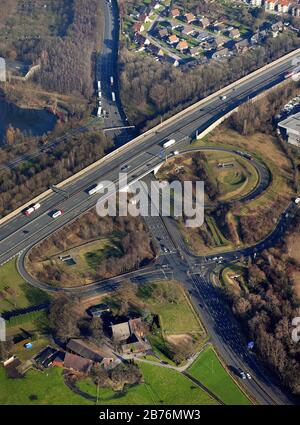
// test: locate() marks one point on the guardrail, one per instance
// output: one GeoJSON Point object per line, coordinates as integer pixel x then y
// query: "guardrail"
{"type": "Point", "coordinates": [166, 123]}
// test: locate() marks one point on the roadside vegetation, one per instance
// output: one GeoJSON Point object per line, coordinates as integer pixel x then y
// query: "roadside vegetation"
{"type": "Point", "coordinates": [210, 372]}
{"type": "Point", "coordinates": [90, 249]}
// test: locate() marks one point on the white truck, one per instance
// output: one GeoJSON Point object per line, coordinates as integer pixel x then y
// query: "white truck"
{"type": "Point", "coordinates": [169, 143]}
{"type": "Point", "coordinates": [111, 80]}
{"type": "Point", "coordinates": [95, 189]}
{"type": "Point", "coordinates": [113, 96]}
{"type": "Point", "coordinates": [99, 112]}
{"type": "Point", "coordinates": [99, 85]}
{"type": "Point", "coordinates": [32, 209]}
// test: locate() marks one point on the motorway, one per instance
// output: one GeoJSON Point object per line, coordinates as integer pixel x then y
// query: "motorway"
{"type": "Point", "coordinates": [21, 233]}
{"type": "Point", "coordinates": [142, 157]}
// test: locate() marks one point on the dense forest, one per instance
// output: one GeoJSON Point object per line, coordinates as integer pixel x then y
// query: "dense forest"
{"type": "Point", "coordinates": [63, 48]}
{"type": "Point", "coordinates": [268, 308]}
{"type": "Point", "coordinates": [29, 179]}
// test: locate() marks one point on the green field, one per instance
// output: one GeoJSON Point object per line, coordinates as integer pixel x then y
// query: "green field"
{"type": "Point", "coordinates": [15, 293]}
{"type": "Point", "coordinates": [210, 372]}
{"type": "Point", "coordinates": [48, 387]}
{"type": "Point", "coordinates": [161, 386]}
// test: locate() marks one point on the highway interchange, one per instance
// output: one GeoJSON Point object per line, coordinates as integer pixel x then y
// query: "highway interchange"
{"type": "Point", "coordinates": [21, 233]}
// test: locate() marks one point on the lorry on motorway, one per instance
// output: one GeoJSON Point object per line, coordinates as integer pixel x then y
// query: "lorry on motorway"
{"type": "Point", "coordinates": [113, 96]}
{"type": "Point", "coordinates": [99, 85]}
{"type": "Point", "coordinates": [290, 74]}
{"type": "Point", "coordinates": [169, 143]}
{"type": "Point", "coordinates": [111, 80]}
{"type": "Point", "coordinates": [99, 112]}
{"type": "Point", "coordinates": [96, 188]}
{"type": "Point", "coordinates": [99, 94]}
{"type": "Point", "coordinates": [32, 209]}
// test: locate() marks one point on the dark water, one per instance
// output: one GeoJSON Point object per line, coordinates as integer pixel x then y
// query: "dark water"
{"type": "Point", "coordinates": [35, 122]}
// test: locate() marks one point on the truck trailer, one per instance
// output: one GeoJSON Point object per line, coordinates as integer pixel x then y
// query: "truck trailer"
{"type": "Point", "coordinates": [32, 209]}
{"type": "Point", "coordinates": [169, 143]}
{"type": "Point", "coordinates": [95, 189]}
{"type": "Point", "coordinates": [113, 96]}
{"type": "Point", "coordinates": [99, 112]}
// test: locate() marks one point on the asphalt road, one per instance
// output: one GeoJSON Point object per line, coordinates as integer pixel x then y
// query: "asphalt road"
{"type": "Point", "coordinates": [20, 232]}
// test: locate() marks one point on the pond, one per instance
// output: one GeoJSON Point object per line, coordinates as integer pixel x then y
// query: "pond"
{"type": "Point", "coordinates": [35, 122]}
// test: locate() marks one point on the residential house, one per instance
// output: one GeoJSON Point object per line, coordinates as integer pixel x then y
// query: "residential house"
{"type": "Point", "coordinates": [137, 327]}
{"type": "Point", "coordinates": [270, 5]}
{"type": "Point", "coordinates": [182, 46]}
{"type": "Point", "coordinates": [221, 54]}
{"type": "Point", "coordinates": [139, 39]}
{"type": "Point", "coordinates": [135, 345]}
{"type": "Point", "coordinates": [138, 26]}
{"type": "Point", "coordinates": [163, 33]}
{"type": "Point", "coordinates": [45, 358]}
{"type": "Point", "coordinates": [173, 39]}
{"type": "Point", "coordinates": [234, 33]}
{"type": "Point", "coordinates": [196, 51]}
{"type": "Point", "coordinates": [219, 41]}
{"type": "Point", "coordinates": [175, 13]}
{"type": "Point", "coordinates": [188, 30]}
{"type": "Point", "coordinates": [278, 26]}
{"type": "Point", "coordinates": [190, 17]}
{"type": "Point", "coordinates": [120, 332]}
{"type": "Point", "coordinates": [256, 3]}
{"type": "Point", "coordinates": [242, 46]}
{"type": "Point", "coordinates": [204, 23]}
{"type": "Point", "coordinates": [152, 48]}
{"type": "Point", "coordinates": [91, 351]}
{"type": "Point", "coordinates": [58, 359]}
{"type": "Point", "coordinates": [77, 363]}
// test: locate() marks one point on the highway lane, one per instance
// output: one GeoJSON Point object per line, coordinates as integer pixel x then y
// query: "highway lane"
{"type": "Point", "coordinates": [143, 152]}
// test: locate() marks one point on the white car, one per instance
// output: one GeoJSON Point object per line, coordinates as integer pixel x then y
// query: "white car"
{"type": "Point", "coordinates": [224, 97]}
{"type": "Point", "coordinates": [297, 200]}
{"type": "Point", "coordinates": [248, 375]}
{"type": "Point", "coordinates": [57, 213]}
{"type": "Point", "coordinates": [243, 375]}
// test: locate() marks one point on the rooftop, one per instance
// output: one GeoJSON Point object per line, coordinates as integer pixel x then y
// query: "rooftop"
{"type": "Point", "coordinates": [292, 123]}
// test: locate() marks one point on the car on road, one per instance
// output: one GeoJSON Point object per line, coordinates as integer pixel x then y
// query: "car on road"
{"type": "Point", "coordinates": [125, 167]}
{"type": "Point", "coordinates": [242, 374]}
{"type": "Point", "coordinates": [224, 97]}
{"type": "Point", "coordinates": [57, 213]}
{"type": "Point", "coordinates": [248, 375]}
{"type": "Point", "coordinates": [297, 201]}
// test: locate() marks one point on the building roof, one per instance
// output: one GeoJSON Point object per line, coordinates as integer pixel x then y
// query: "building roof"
{"type": "Point", "coordinates": [175, 12]}
{"type": "Point", "coordinates": [234, 31]}
{"type": "Point", "coordinates": [219, 40]}
{"type": "Point", "coordinates": [77, 363]}
{"type": "Point", "coordinates": [136, 326]}
{"type": "Point", "coordinates": [188, 29]}
{"type": "Point", "coordinates": [88, 350]}
{"type": "Point", "coordinates": [291, 124]}
{"type": "Point", "coordinates": [137, 26]}
{"type": "Point", "coordinates": [190, 17]}
{"type": "Point", "coordinates": [121, 332]}
{"type": "Point", "coordinates": [205, 22]}
{"type": "Point", "coordinates": [173, 38]}
{"type": "Point", "coordinates": [163, 32]}
{"type": "Point", "coordinates": [182, 45]}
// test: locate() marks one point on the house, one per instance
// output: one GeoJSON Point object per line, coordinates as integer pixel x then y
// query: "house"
{"type": "Point", "coordinates": [283, 6]}
{"type": "Point", "coordinates": [120, 332]}
{"type": "Point", "coordinates": [190, 17]}
{"type": "Point", "coordinates": [173, 39]}
{"type": "Point", "coordinates": [89, 350]}
{"type": "Point", "coordinates": [58, 360]}
{"type": "Point", "coordinates": [138, 26]}
{"type": "Point", "coordinates": [270, 5]}
{"type": "Point", "coordinates": [136, 345]}
{"type": "Point", "coordinates": [278, 26]}
{"type": "Point", "coordinates": [175, 13]}
{"type": "Point", "coordinates": [188, 30]}
{"type": "Point", "coordinates": [77, 363]}
{"type": "Point", "coordinates": [291, 129]}
{"type": "Point", "coordinates": [219, 41]}
{"type": "Point", "coordinates": [196, 51]}
{"type": "Point", "coordinates": [139, 39]}
{"type": "Point", "coordinates": [242, 46]}
{"type": "Point", "coordinates": [234, 33]}
{"type": "Point", "coordinates": [137, 327]}
{"type": "Point", "coordinates": [182, 46]}
{"type": "Point", "coordinates": [163, 33]}
{"type": "Point", "coordinates": [221, 54]}
{"type": "Point", "coordinates": [204, 23]}
{"type": "Point", "coordinates": [44, 358]}
{"type": "Point", "coordinates": [152, 48]}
